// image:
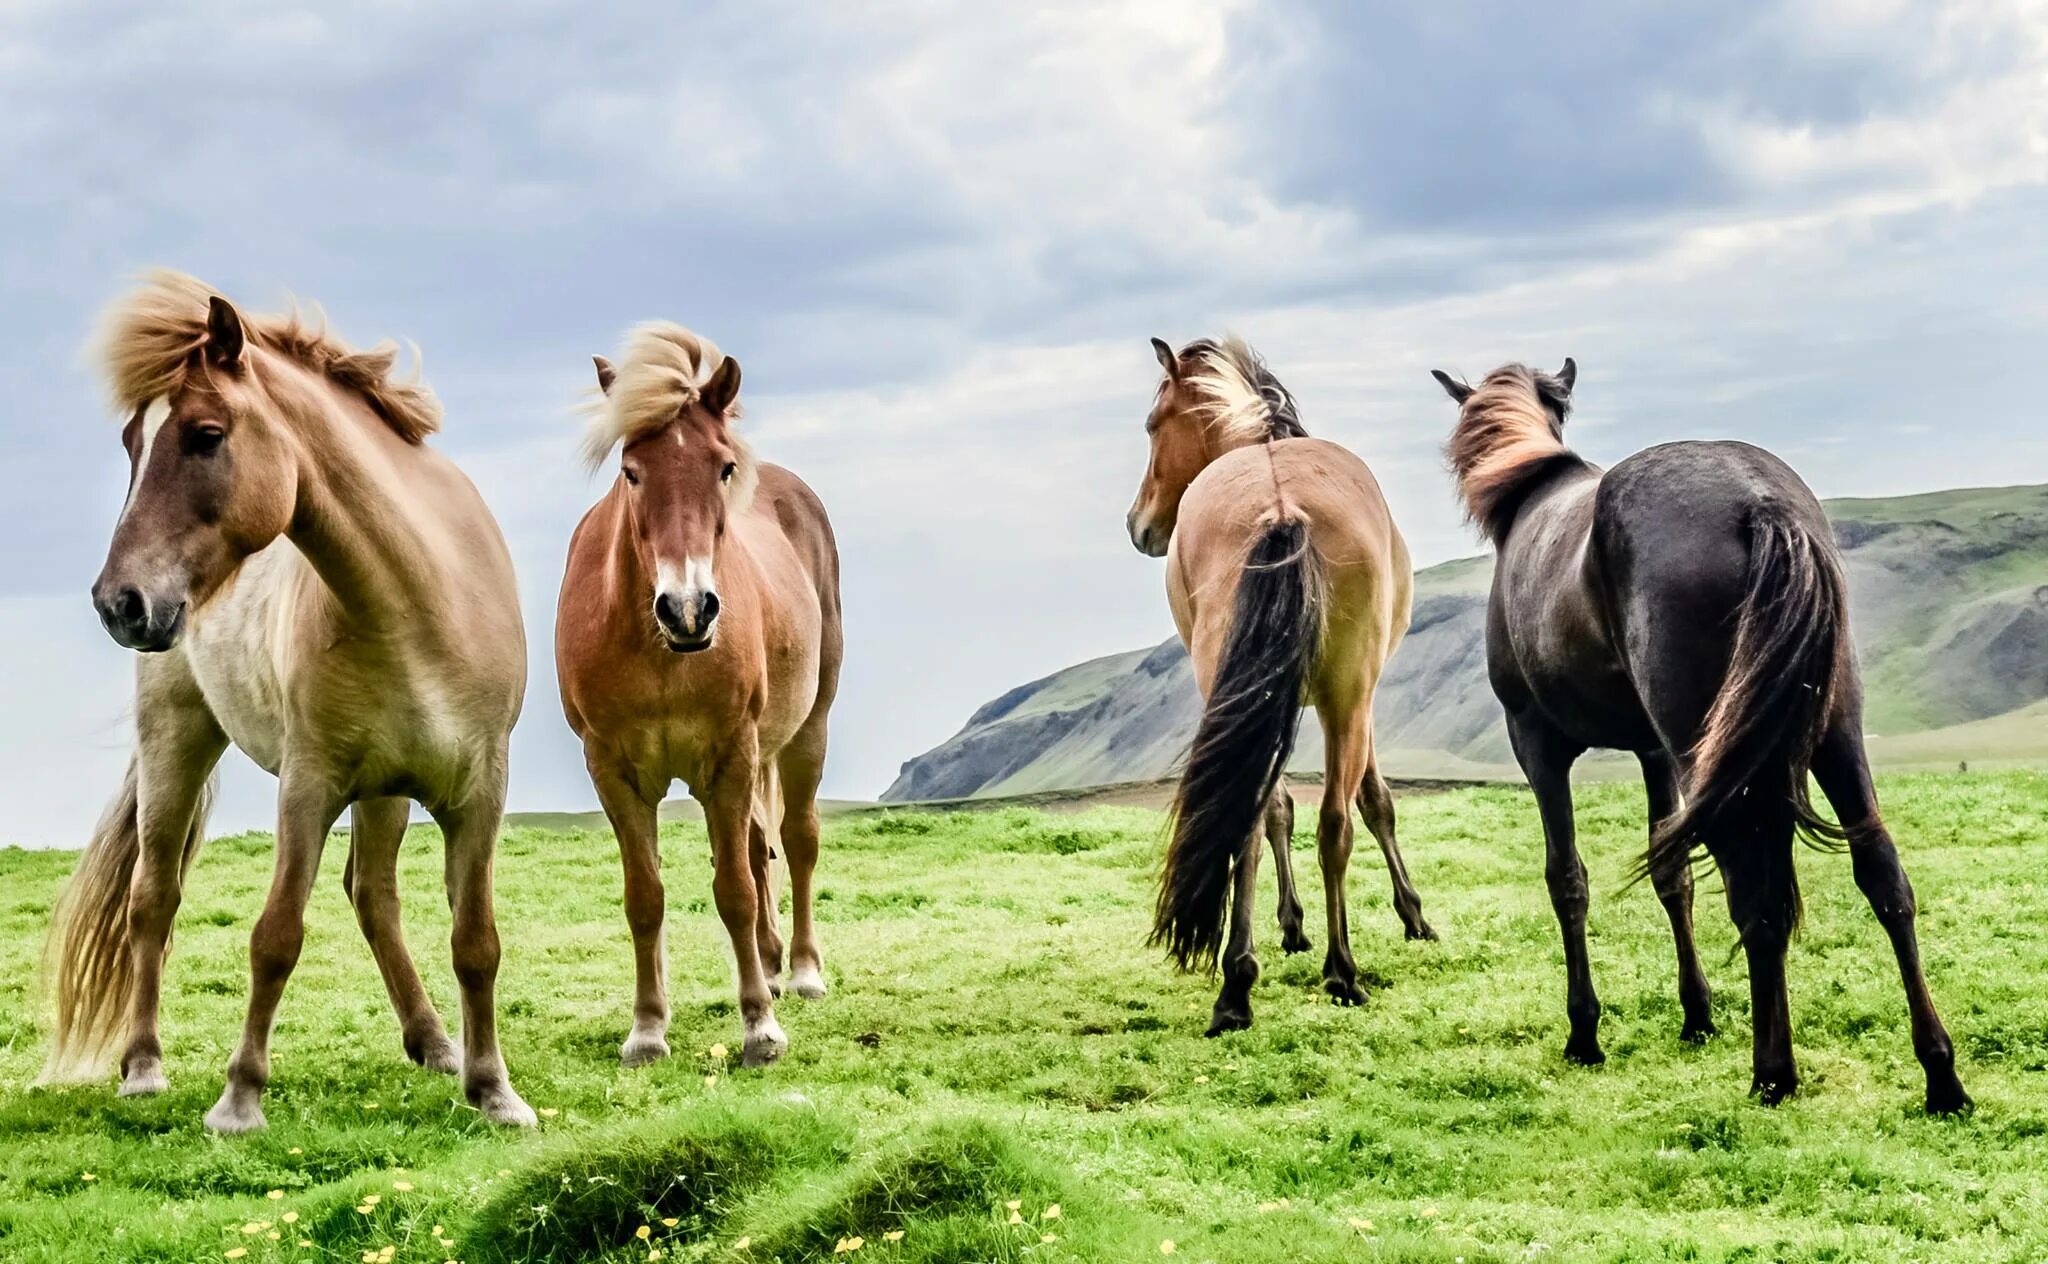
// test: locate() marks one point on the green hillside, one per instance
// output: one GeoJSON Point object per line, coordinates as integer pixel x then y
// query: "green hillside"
{"type": "Point", "coordinates": [1948, 599]}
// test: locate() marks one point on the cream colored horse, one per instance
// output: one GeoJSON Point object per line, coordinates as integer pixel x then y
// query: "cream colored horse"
{"type": "Point", "coordinates": [308, 580]}
{"type": "Point", "coordinates": [1290, 585]}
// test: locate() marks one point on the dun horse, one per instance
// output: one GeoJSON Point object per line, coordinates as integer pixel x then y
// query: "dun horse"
{"type": "Point", "coordinates": [698, 638]}
{"type": "Point", "coordinates": [1290, 585]}
{"type": "Point", "coordinates": [1688, 606]}
{"type": "Point", "coordinates": [310, 581]}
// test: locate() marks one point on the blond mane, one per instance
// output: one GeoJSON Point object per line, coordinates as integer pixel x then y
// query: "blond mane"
{"type": "Point", "coordinates": [1506, 437]}
{"type": "Point", "coordinates": [1238, 397]}
{"type": "Point", "coordinates": [147, 338]}
{"type": "Point", "coordinates": [661, 369]}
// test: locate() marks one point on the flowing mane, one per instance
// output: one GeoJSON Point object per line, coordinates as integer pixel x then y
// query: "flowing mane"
{"type": "Point", "coordinates": [147, 337]}
{"type": "Point", "coordinates": [1506, 438]}
{"type": "Point", "coordinates": [661, 370]}
{"type": "Point", "coordinates": [1240, 399]}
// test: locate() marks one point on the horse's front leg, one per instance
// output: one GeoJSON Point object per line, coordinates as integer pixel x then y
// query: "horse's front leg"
{"type": "Point", "coordinates": [728, 800]}
{"type": "Point", "coordinates": [308, 803]}
{"type": "Point", "coordinates": [471, 831]}
{"type": "Point", "coordinates": [636, 823]}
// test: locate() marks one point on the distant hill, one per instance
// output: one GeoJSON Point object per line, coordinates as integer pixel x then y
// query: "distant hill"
{"type": "Point", "coordinates": [1948, 598]}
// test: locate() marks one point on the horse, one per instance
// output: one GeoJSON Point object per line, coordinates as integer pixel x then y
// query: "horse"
{"type": "Point", "coordinates": [698, 638]}
{"type": "Point", "coordinates": [305, 578]}
{"type": "Point", "coordinates": [1688, 606]}
{"type": "Point", "coordinates": [1290, 586]}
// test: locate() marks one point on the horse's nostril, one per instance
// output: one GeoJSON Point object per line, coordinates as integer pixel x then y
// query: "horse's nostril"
{"type": "Point", "coordinates": [129, 606]}
{"type": "Point", "coordinates": [668, 609]}
{"type": "Point", "coordinates": [707, 607]}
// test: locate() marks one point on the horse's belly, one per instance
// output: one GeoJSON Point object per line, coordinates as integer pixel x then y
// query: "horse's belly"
{"type": "Point", "coordinates": [231, 646]}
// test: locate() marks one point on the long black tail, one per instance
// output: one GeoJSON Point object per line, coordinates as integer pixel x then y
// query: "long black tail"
{"type": "Point", "coordinates": [1790, 655]}
{"type": "Point", "coordinates": [1242, 745]}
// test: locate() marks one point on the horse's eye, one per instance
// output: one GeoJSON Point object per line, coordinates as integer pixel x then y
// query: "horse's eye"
{"type": "Point", "coordinates": [631, 477]}
{"type": "Point", "coordinates": [205, 440]}
{"type": "Point", "coordinates": [731, 468]}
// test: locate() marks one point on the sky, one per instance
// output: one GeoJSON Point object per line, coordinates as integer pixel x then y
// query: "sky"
{"type": "Point", "coordinates": [938, 238]}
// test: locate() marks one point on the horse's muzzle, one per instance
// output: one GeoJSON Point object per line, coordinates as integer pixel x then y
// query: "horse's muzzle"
{"type": "Point", "coordinates": [137, 622]}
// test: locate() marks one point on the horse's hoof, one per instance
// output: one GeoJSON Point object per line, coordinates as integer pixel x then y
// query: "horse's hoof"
{"type": "Point", "coordinates": [235, 1113]}
{"type": "Point", "coordinates": [1345, 992]}
{"type": "Point", "coordinates": [1699, 1033]}
{"type": "Point", "coordinates": [765, 1043]}
{"type": "Point", "coordinates": [774, 986]}
{"type": "Point", "coordinates": [1223, 1020]}
{"type": "Point", "coordinates": [438, 1053]}
{"type": "Point", "coordinates": [1293, 940]}
{"type": "Point", "coordinates": [1772, 1090]}
{"type": "Point", "coordinates": [1585, 1052]}
{"type": "Point", "coordinates": [498, 1104]}
{"type": "Point", "coordinates": [808, 982]}
{"type": "Point", "coordinates": [1949, 1099]}
{"type": "Point", "coordinates": [1419, 929]}
{"type": "Point", "coordinates": [144, 1078]}
{"type": "Point", "coordinates": [642, 1048]}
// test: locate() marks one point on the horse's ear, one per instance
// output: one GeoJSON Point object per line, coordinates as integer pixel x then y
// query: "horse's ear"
{"type": "Point", "coordinates": [723, 389]}
{"type": "Point", "coordinates": [224, 337]}
{"type": "Point", "coordinates": [1167, 360]}
{"type": "Point", "coordinates": [1458, 391]}
{"type": "Point", "coordinates": [606, 375]}
{"type": "Point", "coordinates": [1568, 374]}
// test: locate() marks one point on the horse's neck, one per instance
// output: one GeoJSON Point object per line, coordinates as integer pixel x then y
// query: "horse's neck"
{"type": "Point", "coordinates": [359, 522]}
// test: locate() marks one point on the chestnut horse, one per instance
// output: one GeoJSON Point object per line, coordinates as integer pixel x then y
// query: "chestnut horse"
{"type": "Point", "coordinates": [307, 579]}
{"type": "Point", "coordinates": [1686, 605]}
{"type": "Point", "coordinates": [1290, 585]}
{"type": "Point", "coordinates": [698, 638]}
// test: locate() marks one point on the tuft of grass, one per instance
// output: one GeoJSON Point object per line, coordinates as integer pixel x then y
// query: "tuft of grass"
{"type": "Point", "coordinates": [594, 1193]}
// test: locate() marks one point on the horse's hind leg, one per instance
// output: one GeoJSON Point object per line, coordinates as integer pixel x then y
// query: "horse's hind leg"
{"type": "Point", "coordinates": [767, 934]}
{"type": "Point", "coordinates": [801, 765]}
{"type": "Point", "coordinates": [1233, 1011]}
{"type": "Point", "coordinates": [1755, 856]}
{"type": "Point", "coordinates": [1674, 891]}
{"type": "Point", "coordinates": [1345, 752]}
{"type": "Point", "coordinates": [1546, 758]}
{"type": "Point", "coordinates": [1376, 805]}
{"type": "Point", "coordinates": [1844, 777]}
{"type": "Point", "coordinates": [370, 877]}
{"type": "Point", "coordinates": [1280, 837]}
{"type": "Point", "coordinates": [635, 820]}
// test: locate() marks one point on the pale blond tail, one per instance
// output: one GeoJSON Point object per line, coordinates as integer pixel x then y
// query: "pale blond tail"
{"type": "Point", "coordinates": [92, 975]}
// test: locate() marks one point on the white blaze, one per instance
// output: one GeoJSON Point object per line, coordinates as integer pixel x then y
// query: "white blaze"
{"type": "Point", "coordinates": [153, 418]}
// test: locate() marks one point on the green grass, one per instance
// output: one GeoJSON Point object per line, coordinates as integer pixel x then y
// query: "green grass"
{"type": "Point", "coordinates": [998, 1034]}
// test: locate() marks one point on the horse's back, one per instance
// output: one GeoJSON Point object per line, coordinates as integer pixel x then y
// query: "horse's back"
{"type": "Point", "coordinates": [1330, 489]}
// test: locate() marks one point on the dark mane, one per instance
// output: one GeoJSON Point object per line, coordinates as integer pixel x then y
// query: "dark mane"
{"type": "Point", "coordinates": [1509, 439]}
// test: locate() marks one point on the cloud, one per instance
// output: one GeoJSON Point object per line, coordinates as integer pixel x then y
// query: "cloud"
{"type": "Point", "coordinates": [939, 238]}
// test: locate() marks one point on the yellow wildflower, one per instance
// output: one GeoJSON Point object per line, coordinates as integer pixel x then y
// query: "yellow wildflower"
{"type": "Point", "coordinates": [742, 1244]}
{"type": "Point", "coordinates": [290, 1217]}
{"type": "Point", "coordinates": [1016, 1217]}
{"type": "Point", "coordinates": [643, 1233]}
{"type": "Point", "coordinates": [710, 1080]}
{"type": "Point", "coordinates": [1052, 1212]}
{"type": "Point", "coordinates": [894, 1235]}
{"type": "Point", "coordinates": [718, 1052]}
{"type": "Point", "coordinates": [274, 1195]}
{"type": "Point", "coordinates": [252, 1228]}
{"type": "Point", "coordinates": [1014, 1203]}
{"type": "Point", "coordinates": [549, 1112]}
{"type": "Point", "coordinates": [1166, 1246]}
{"type": "Point", "coordinates": [87, 1176]}
{"type": "Point", "coordinates": [403, 1187]}
{"type": "Point", "coordinates": [373, 1199]}
{"type": "Point", "coordinates": [669, 1222]}
{"type": "Point", "coordinates": [234, 1253]}
{"type": "Point", "coordinates": [296, 1150]}
{"type": "Point", "coordinates": [1048, 1237]}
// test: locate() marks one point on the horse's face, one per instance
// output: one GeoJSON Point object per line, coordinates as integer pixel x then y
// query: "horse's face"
{"type": "Point", "coordinates": [683, 483]}
{"type": "Point", "coordinates": [1180, 450]}
{"type": "Point", "coordinates": [211, 479]}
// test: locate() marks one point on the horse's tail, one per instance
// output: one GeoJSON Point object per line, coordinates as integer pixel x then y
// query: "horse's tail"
{"type": "Point", "coordinates": [92, 974]}
{"type": "Point", "coordinates": [1246, 734]}
{"type": "Point", "coordinates": [1790, 656]}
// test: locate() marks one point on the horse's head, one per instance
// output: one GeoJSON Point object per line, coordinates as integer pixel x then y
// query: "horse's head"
{"type": "Point", "coordinates": [682, 482]}
{"type": "Point", "coordinates": [1181, 448]}
{"type": "Point", "coordinates": [212, 476]}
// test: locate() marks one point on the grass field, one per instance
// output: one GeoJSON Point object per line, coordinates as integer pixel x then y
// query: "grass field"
{"type": "Point", "coordinates": [998, 1039]}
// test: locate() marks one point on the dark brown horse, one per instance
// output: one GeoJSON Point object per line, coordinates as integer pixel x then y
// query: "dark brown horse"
{"type": "Point", "coordinates": [1686, 605]}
